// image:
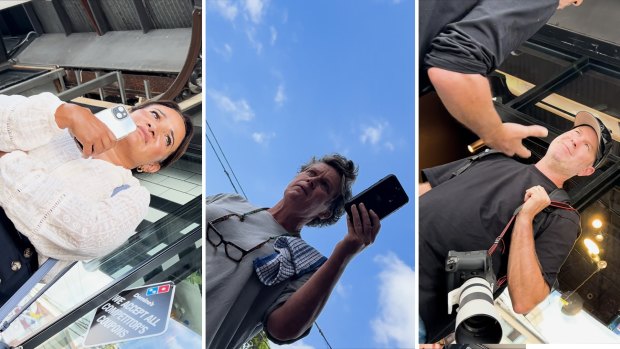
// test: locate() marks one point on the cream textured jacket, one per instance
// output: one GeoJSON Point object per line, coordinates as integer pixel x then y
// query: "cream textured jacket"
{"type": "Point", "coordinates": [62, 202]}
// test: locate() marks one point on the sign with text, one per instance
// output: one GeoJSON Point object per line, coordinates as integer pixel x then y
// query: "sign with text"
{"type": "Point", "coordinates": [132, 314]}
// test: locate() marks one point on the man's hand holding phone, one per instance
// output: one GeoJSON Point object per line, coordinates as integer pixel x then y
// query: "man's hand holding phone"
{"type": "Point", "coordinates": [92, 134]}
{"type": "Point", "coordinates": [366, 209]}
{"type": "Point", "coordinates": [363, 226]}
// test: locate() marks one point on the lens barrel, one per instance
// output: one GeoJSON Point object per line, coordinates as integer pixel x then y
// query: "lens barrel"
{"type": "Point", "coordinates": [477, 321]}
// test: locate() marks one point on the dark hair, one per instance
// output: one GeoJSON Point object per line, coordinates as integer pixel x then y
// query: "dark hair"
{"type": "Point", "coordinates": [348, 173]}
{"type": "Point", "coordinates": [189, 130]}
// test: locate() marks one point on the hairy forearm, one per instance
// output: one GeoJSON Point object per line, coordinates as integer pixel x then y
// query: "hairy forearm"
{"type": "Point", "coordinates": [468, 98]}
{"type": "Point", "coordinates": [298, 313]}
{"type": "Point", "coordinates": [526, 283]}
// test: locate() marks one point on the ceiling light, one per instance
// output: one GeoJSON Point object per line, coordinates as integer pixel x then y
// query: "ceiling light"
{"type": "Point", "coordinates": [591, 245]}
{"type": "Point", "coordinates": [597, 223]}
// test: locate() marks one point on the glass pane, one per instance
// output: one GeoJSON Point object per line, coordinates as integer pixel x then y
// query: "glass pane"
{"type": "Point", "coordinates": [175, 211]}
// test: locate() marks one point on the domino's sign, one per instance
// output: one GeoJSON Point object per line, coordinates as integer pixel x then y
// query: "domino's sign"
{"type": "Point", "coordinates": [158, 290]}
{"type": "Point", "coordinates": [134, 313]}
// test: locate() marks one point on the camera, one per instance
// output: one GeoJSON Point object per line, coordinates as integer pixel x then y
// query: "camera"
{"type": "Point", "coordinates": [471, 283]}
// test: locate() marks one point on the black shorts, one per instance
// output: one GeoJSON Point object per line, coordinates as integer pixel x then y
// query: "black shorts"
{"type": "Point", "coordinates": [18, 259]}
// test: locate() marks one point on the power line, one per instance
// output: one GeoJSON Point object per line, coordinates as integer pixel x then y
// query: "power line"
{"type": "Point", "coordinates": [322, 335]}
{"type": "Point", "coordinates": [222, 164]}
{"type": "Point", "coordinates": [226, 160]}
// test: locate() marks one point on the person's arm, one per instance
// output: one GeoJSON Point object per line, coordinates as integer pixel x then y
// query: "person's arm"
{"type": "Point", "coordinates": [526, 283]}
{"type": "Point", "coordinates": [297, 314]}
{"type": "Point", "coordinates": [29, 122]}
{"type": "Point", "coordinates": [424, 188]}
{"type": "Point", "coordinates": [62, 223]}
{"type": "Point", "coordinates": [468, 98]}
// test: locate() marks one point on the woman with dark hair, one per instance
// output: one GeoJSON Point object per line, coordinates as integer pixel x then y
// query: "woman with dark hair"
{"type": "Point", "coordinates": [59, 201]}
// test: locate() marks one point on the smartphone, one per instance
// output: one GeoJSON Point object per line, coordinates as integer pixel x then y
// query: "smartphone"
{"type": "Point", "coordinates": [118, 121]}
{"type": "Point", "coordinates": [383, 197]}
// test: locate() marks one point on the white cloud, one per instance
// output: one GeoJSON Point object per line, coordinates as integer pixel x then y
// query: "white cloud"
{"type": "Point", "coordinates": [371, 134]}
{"type": "Point", "coordinates": [224, 8]}
{"type": "Point", "coordinates": [225, 51]}
{"type": "Point", "coordinates": [342, 290]}
{"type": "Point", "coordinates": [274, 35]}
{"type": "Point", "coordinates": [280, 97]}
{"type": "Point", "coordinates": [374, 135]}
{"type": "Point", "coordinates": [255, 9]}
{"type": "Point", "coordinates": [394, 325]}
{"type": "Point", "coordinates": [258, 46]}
{"type": "Point", "coordinates": [262, 138]}
{"type": "Point", "coordinates": [285, 17]}
{"type": "Point", "coordinates": [240, 110]}
{"type": "Point", "coordinates": [296, 345]}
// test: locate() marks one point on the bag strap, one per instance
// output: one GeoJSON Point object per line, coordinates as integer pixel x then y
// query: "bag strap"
{"type": "Point", "coordinates": [559, 199]}
{"type": "Point", "coordinates": [473, 159]}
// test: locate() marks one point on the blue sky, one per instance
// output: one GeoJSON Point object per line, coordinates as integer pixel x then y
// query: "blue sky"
{"type": "Point", "coordinates": [288, 80]}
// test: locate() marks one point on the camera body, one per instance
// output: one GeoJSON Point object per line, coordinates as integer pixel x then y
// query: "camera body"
{"type": "Point", "coordinates": [462, 266]}
{"type": "Point", "coordinates": [471, 283]}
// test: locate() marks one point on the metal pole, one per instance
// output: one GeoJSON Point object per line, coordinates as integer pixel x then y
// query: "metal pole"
{"type": "Point", "coordinates": [101, 96]}
{"type": "Point", "coordinates": [121, 86]}
{"type": "Point", "coordinates": [77, 76]}
{"type": "Point", "coordinates": [147, 89]}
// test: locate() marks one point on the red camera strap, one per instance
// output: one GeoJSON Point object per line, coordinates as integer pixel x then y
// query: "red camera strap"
{"type": "Point", "coordinates": [500, 238]}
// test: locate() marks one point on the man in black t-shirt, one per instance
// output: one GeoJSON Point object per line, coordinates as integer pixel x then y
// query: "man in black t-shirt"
{"type": "Point", "coordinates": [468, 211]}
{"type": "Point", "coordinates": [461, 42]}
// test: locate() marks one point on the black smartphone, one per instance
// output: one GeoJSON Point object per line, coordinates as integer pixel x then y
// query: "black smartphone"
{"type": "Point", "coordinates": [383, 197]}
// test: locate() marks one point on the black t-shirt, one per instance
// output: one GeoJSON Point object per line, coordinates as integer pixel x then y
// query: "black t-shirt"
{"type": "Point", "coordinates": [475, 36]}
{"type": "Point", "coordinates": [467, 213]}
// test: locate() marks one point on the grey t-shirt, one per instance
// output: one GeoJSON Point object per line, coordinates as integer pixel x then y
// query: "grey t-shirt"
{"type": "Point", "coordinates": [237, 303]}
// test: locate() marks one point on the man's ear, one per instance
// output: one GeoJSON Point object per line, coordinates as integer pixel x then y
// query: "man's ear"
{"type": "Point", "coordinates": [151, 168]}
{"type": "Point", "coordinates": [325, 214]}
{"type": "Point", "coordinates": [586, 171]}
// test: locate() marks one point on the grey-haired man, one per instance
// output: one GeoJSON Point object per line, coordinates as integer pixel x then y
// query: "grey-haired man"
{"type": "Point", "coordinates": [260, 274]}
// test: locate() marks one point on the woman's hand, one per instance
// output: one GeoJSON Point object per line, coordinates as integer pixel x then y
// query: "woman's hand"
{"type": "Point", "coordinates": [94, 136]}
{"type": "Point", "coordinates": [363, 228]}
